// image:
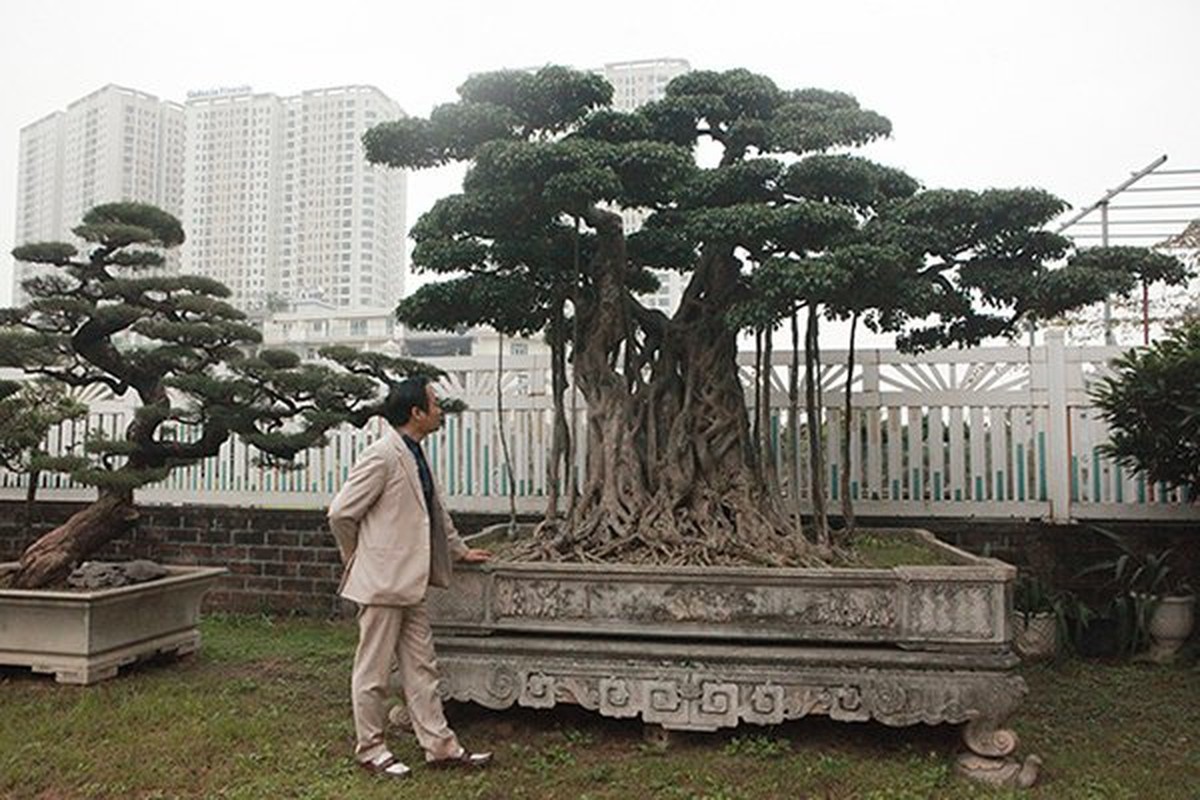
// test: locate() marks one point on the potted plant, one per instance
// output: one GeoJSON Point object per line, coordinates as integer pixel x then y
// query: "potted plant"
{"type": "Point", "coordinates": [1038, 618]}
{"type": "Point", "coordinates": [105, 319]}
{"type": "Point", "coordinates": [1150, 405]}
{"type": "Point", "coordinates": [1153, 603]}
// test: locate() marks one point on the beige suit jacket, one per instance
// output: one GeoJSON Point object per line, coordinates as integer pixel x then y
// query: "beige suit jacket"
{"type": "Point", "coordinates": [383, 529]}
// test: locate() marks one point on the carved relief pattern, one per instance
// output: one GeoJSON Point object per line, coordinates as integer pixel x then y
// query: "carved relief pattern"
{"type": "Point", "coordinates": [841, 608]}
{"type": "Point", "coordinates": [954, 609]}
{"type": "Point", "coordinates": [700, 698]}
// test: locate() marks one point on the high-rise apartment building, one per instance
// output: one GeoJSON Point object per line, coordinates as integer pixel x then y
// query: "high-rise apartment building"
{"type": "Point", "coordinates": [233, 176]}
{"type": "Point", "coordinates": [114, 144]}
{"type": "Point", "coordinates": [280, 201]}
{"type": "Point", "coordinates": [636, 83]}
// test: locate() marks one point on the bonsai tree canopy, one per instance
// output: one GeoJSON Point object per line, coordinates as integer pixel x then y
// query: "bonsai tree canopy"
{"type": "Point", "coordinates": [110, 318]}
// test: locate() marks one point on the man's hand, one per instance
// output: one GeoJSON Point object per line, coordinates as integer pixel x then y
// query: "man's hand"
{"type": "Point", "coordinates": [476, 555]}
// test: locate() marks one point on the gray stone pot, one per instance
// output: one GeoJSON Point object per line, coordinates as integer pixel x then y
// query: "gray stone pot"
{"type": "Point", "coordinates": [1170, 625]}
{"type": "Point", "coordinates": [1036, 635]}
{"type": "Point", "coordinates": [86, 636]}
{"type": "Point", "coordinates": [706, 648]}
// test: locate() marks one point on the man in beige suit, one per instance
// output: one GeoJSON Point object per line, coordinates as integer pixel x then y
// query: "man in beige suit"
{"type": "Point", "coordinates": [396, 539]}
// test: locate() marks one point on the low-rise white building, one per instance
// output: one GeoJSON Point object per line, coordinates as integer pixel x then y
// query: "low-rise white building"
{"type": "Point", "coordinates": [309, 325]}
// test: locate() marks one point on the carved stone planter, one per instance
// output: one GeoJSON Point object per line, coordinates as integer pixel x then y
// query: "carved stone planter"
{"type": "Point", "coordinates": [85, 637]}
{"type": "Point", "coordinates": [709, 648]}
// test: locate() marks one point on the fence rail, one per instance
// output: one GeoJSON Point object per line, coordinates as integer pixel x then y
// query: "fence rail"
{"type": "Point", "coordinates": [988, 432]}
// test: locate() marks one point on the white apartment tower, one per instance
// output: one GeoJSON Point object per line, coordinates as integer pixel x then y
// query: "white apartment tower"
{"type": "Point", "coordinates": [115, 144]}
{"type": "Point", "coordinates": [636, 83]}
{"type": "Point", "coordinates": [232, 182]}
{"type": "Point", "coordinates": [280, 201]}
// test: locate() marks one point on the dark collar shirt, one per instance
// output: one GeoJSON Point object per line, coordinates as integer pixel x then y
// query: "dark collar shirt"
{"type": "Point", "coordinates": [423, 471]}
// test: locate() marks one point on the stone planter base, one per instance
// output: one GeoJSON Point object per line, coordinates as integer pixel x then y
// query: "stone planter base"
{"type": "Point", "coordinates": [704, 687]}
{"type": "Point", "coordinates": [85, 637]}
{"type": "Point", "coordinates": [700, 649]}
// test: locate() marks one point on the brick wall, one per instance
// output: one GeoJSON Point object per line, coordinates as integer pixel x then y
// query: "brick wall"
{"type": "Point", "coordinates": [286, 561]}
{"type": "Point", "coordinates": [279, 561]}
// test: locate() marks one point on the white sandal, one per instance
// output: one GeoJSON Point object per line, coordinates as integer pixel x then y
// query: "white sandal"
{"type": "Point", "coordinates": [386, 766]}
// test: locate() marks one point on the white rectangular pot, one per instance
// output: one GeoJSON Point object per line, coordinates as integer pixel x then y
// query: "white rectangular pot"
{"type": "Point", "coordinates": [86, 636]}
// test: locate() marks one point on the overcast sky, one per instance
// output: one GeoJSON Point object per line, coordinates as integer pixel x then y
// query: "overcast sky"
{"type": "Point", "coordinates": [1068, 96]}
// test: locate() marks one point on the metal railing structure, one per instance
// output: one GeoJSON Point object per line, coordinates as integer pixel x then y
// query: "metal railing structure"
{"type": "Point", "coordinates": [996, 432]}
{"type": "Point", "coordinates": [1151, 208]}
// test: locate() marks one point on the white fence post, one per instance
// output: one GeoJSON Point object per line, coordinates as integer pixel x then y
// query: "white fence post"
{"type": "Point", "coordinates": [1058, 431]}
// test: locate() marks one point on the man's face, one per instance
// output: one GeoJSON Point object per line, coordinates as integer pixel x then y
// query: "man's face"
{"type": "Point", "coordinates": [430, 418]}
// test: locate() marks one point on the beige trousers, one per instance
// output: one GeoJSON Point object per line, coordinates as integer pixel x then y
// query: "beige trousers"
{"type": "Point", "coordinates": [401, 634]}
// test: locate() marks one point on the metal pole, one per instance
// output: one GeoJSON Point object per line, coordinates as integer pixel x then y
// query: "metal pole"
{"type": "Point", "coordinates": [1108, 326]}
{"type": "Point", "coordinates": [1102, 204]}
{"type": "Point", "coordinates": [1145, 312]}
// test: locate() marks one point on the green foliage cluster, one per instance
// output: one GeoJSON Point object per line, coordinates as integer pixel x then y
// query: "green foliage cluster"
{"type": "Point", "coordinates": [781, 219]}
{"type": "Point", "coordinates": [820, 228]}
{"type": "Point", "coordinates": [110, 318]}
{"type": "Point", "coordinates": [27, 413]}
{"type": "Point", "coordinates": [1152, 406]}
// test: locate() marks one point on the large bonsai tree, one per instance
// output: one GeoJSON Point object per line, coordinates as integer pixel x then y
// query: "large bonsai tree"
{"type": "Point", "coordinates": [105, 318]}
{"type": "Point", "coordinates": [673, 474]}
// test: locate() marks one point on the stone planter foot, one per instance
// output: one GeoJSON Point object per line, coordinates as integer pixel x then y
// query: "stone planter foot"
{"type": "Point", "coordinates": [1007, 773]}
{"type": "Point", "coordinates": [85, 670]}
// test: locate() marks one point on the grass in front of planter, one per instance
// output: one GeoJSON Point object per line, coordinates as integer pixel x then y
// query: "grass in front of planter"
{"type": "Point", "coordinates": [263, 711]}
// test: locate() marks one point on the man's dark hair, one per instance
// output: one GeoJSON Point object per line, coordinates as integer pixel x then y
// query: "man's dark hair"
{"type": "Point", "coordinates": [406, 395]}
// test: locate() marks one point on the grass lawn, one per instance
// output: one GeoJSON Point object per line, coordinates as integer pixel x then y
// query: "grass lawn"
{"type": "Point", "coordinates": [263, 712]}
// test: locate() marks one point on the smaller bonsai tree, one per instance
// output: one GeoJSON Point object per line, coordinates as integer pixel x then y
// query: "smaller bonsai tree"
{"type": "Point", "coordinates": [1152, 406]}
{"type": "Point", "coordinates": [108, 319]}
{"type": "Point", "coordinates": [27, 413]}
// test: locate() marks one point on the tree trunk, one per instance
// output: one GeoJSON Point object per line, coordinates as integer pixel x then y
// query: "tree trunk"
{"type": "Point", "coordinates": [35, 475]}
{"type": "Point", "coordinates": [766, 453]}
{"type": "Point", "coordinates": [794, 420]}
{"type": "Point", "coordinates": [53, 556]}
{"type": "Point", "coordinates": [812, 404]}
{"type": "Point", "coordinates": [671, 475]}
{"type": "Point", "coordinates": [847, 502]}
{"type": "Point", "coordinates": [512, 484]}
{"type": "Point", "coordinates": [756, 431]}
{"type": "Point", "coordinates": [560, 443]}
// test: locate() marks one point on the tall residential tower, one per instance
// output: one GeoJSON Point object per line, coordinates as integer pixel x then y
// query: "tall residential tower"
{"type": "Point", "coordinates": [114, 144]}
{"type": "Point", "coordinates": [281, 204]}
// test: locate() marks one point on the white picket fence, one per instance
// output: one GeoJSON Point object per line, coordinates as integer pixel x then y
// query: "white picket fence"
{"type": "Point", "coordinates": [998, 432]}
